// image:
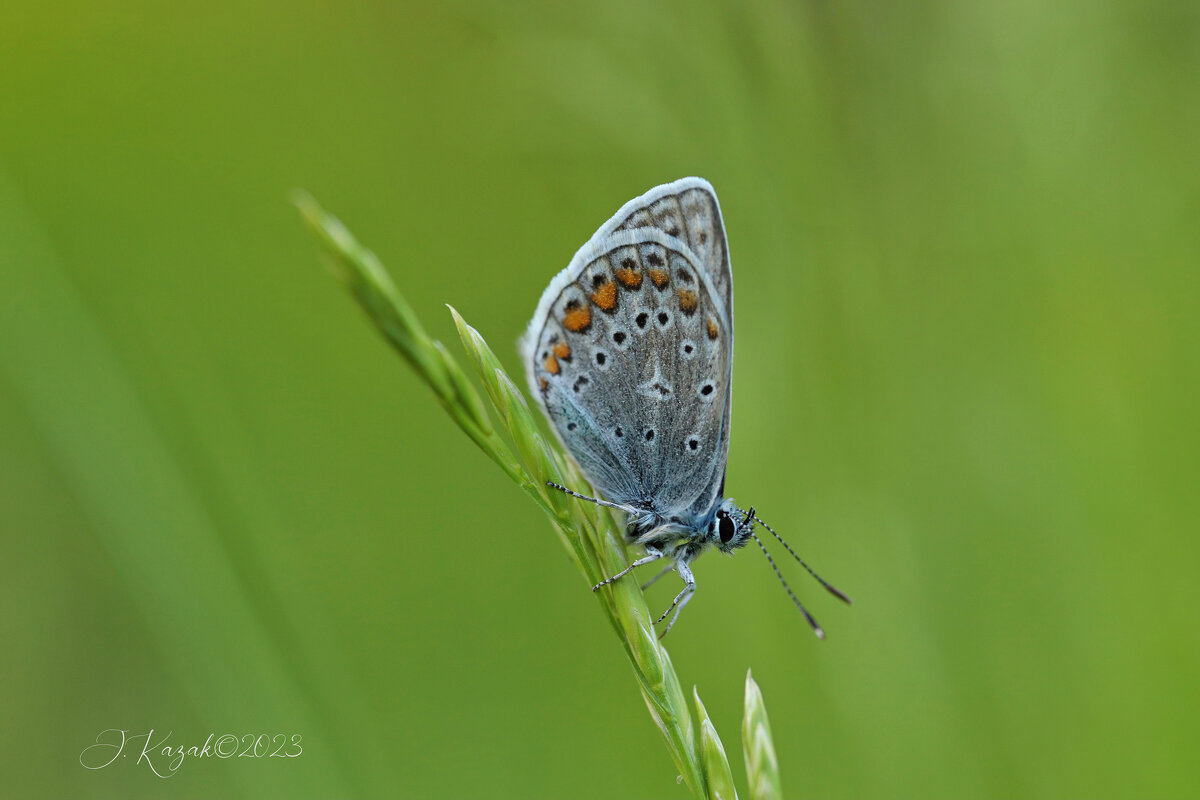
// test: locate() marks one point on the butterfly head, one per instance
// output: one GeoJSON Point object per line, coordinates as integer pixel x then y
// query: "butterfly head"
{"type": "Point", "coordinates": [731, 527]}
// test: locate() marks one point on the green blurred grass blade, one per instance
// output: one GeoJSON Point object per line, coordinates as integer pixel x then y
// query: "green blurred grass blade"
{"type": "Point", "coordinates": [161, 538]}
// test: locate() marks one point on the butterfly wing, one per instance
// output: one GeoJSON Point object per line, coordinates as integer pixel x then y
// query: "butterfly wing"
{"type": "Point", "coordinates": [630, 353]}
{"type": "Point", "coordinates": [686, 209]}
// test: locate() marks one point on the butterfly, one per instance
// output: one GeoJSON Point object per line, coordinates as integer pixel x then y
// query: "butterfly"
{"type": "Point", "coordinates": [630, 354]}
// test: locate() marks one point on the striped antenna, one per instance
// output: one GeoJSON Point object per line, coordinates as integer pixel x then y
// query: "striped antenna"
{"type": "Point", "coordinates": [832, 589]}
{"type": "Point", "coordinates": [816, 628]}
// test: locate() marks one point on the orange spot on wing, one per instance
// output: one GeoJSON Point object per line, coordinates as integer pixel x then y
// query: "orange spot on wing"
{"type": "Point", "coordinates": [605, 296]}
{"type": "Point", "coordinates": [688, 300]}
{"type": "Point", "coordinates": [562, 350]}
{"type": "Point", "coordinates": [551, 365]}
{"type": "Point", "coordinates": [659, 276]}
{"type": "Point", "coordinates": [544, 385]}
{"type": "Point", "coordinates": [629, 278]}
{"type": "Point", "coordinates": [712, 328]}
{"type": "Point", "coordinates": [577, 317]}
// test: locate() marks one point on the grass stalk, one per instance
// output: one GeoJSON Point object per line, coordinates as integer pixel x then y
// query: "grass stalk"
{"type": "Point", "coordinates": [524, 454]}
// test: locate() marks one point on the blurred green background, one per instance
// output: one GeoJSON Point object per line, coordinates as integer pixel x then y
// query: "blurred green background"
{"type": "Point", "coordinates": [965, 241]}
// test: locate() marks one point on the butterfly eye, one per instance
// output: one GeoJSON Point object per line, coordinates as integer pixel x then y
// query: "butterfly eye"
{"type": "Point", "coordinates": [727, 529]}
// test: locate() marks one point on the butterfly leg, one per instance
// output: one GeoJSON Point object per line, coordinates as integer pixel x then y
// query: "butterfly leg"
{"type": "Point", "coordinates": [681, 599]}
{"type": "Point", "coordinates": [651, 555]}
{"type": "Point", "coordinates": [652, 581]}
{"type": "Point", "coordinates": [596, 500]}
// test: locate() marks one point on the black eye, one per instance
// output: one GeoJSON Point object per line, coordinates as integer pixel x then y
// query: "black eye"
{"type": "Point", "coordinates": [727, 528]}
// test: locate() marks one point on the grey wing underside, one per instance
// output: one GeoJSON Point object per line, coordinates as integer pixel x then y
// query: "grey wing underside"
{"type": "Point", "coordinates": [630, 353]}
{"type": "Point", "coordinates": [686, 209]}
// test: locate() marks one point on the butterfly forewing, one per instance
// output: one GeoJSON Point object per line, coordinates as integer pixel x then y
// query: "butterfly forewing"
{"type": "Point", "coordinates": [632, 363]}
{"type": "Point", "coordinates": [687, 210]}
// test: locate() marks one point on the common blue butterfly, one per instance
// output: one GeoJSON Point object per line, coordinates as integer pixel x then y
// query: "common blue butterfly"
{"type": "Point", "coordinates": [630, 353]}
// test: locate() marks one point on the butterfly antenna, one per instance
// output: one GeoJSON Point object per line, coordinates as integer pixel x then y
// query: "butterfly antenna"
{"type": "Point", "coordinates": [816, 628]}
{"type": "Point", "coordinates": [750, 519]}
{"type": "Point", "coordinates": [597, 501]}
{"type": "Point", "coordinates": [830, 587]}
